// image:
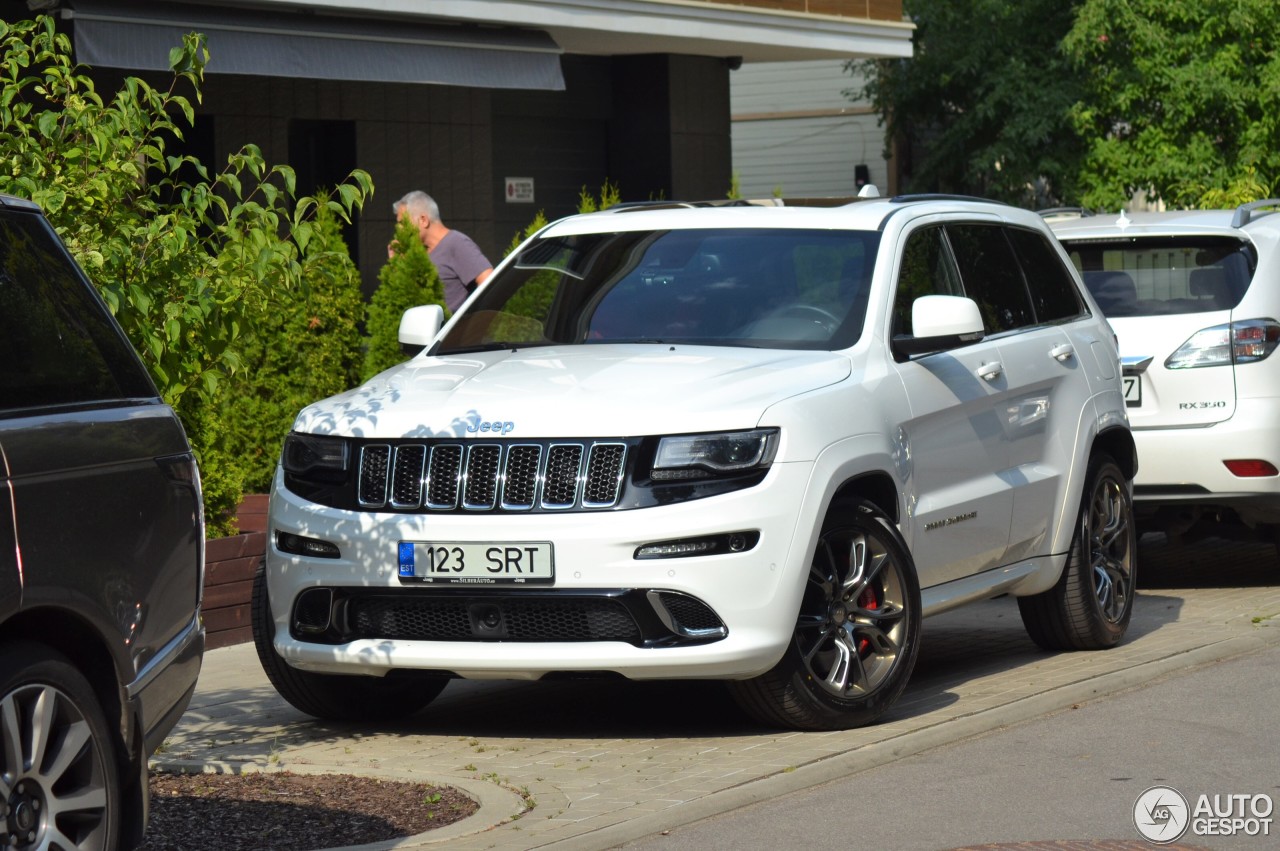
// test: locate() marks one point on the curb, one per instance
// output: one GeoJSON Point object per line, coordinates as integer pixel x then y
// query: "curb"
{"type": "Point", "coordinates": [913, 742]}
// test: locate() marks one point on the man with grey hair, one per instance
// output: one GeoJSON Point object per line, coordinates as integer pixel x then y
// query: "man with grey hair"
{"type": "Point", "coordinates": [460, 262]}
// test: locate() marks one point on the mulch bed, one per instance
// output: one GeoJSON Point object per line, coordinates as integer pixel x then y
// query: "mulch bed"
{"type": "Point", "coordinates": [282, 811]}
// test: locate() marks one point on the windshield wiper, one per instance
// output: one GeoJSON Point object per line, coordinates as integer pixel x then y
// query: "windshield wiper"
{"type": "Point", "coordinates": [494, 346]}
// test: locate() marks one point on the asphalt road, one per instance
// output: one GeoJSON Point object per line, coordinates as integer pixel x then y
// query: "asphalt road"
{"type": "Point", "coordinates": [1070, 777]}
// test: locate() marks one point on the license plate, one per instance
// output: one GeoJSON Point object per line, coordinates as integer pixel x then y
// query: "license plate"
{"type": "Point", "coordinates": [472, 563]}
{"type": "Point", "coordinates": [1133, 391]}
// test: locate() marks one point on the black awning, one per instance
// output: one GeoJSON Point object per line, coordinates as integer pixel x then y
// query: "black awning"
{"type": "Point", "coordinates": [139, 36]}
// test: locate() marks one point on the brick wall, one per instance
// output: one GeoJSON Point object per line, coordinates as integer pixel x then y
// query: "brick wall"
{"type": "Point", "coordinates": [228, 577]}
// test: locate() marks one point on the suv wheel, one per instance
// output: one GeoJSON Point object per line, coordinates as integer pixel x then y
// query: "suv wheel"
{"type": "Point", "coordinates": [59, 776]}
{"type": "Point", "coordinates": [1090, 607]}
{"type": "Point", "coordinates": [335, 697]}
{"type": "Point", "coordinates": [857, 633]}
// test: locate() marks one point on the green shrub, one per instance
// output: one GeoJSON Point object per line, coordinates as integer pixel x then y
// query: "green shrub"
{"type": "Point", "coordinates": [307, 348]}
{"type": "Point", "coordinates": [407, 280]}
{"type": "Point", "coordinates": [609, 195]}
{"type": "Point", "coordinates": [187, 265]}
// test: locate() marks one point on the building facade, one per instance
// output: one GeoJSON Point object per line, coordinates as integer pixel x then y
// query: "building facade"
{"type": "Point", "coordinates": [800, 130]}
{"type": "Point", "coordinates": [498, 108]}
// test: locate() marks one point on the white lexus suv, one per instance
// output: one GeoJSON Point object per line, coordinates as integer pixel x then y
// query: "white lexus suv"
{"type": "Point", "coordinates": [757, 443]}
{"type": "Point", "coordinates": [1192, 296]}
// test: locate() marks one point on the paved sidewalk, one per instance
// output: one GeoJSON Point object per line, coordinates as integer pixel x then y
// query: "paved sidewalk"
{"type": "Point", "coordinates": [603, 762]}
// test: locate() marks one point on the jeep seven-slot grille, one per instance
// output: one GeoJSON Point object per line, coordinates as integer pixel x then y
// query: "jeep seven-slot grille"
{"type": "Point", "coordinates": [490, 475]}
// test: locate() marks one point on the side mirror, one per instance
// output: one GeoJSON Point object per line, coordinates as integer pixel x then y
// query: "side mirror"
{"type": "Point", "coordinates": [940, 322]}
{"type": "Point", "coordinates": [419, 327]}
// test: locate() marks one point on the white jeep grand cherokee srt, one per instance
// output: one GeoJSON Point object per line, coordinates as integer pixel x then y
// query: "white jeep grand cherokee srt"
{"type": "Point", "coordinates": [756, 443]}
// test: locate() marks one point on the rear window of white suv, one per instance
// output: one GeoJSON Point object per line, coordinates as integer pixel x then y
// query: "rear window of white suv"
{"type": "Point", "coordinates": [1153, 276]}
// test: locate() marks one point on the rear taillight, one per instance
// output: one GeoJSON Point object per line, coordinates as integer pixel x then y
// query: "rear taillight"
{"type": "Point", "coordinates": [1251, 468]}
{"type": "Point", "coordinates": [1247, 341]}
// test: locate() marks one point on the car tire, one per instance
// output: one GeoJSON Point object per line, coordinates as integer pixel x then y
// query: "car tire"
{"type": "Point", "coordinates": [59, 758]}
{"type": "Point", "coordinates": [1090, 606]}
{"type": "Point", "coordinates": [335, 697]}
{"type": "Point", "coordinates": [857, 632]}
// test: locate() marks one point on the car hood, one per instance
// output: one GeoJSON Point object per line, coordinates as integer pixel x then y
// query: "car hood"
{"type": "Point", "coordinates": [598, 390]}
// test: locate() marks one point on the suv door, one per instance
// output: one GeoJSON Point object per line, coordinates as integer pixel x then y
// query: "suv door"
{"type": "Point", "coordinates": [955, 437]}
{"type": "Point", "coordinates": [10, 582]}
{"type": "Point", "coordinates": [1028, 301]}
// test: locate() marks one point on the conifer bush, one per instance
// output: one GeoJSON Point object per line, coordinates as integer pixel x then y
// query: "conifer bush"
{"type": "Point", "coordinates": [306, 349]}
{"type": "Point", "coordinates": [408, 279]}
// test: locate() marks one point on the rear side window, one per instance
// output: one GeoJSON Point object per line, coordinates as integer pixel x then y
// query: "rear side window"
{"type": "Point", "coordinates": [1151, 276]}
{"type": "Point", "coordinates": [58, 344]}
{"type": "Point", "coordinates": [1053, 291]}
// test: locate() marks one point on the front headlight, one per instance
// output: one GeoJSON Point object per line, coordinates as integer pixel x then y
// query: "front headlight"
{"type": "Point", "coordinates": [315, 458]}
{"type": "Point", "coordinates": [701, 456]}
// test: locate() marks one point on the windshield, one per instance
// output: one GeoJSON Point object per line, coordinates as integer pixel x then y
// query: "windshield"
{"type": "Point", "coordinates": [1151, 276]}
{"type": "Point", "coordinates": [770, 288]}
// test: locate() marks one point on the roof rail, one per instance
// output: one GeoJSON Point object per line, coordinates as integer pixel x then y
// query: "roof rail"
{"type": "Point", "coordinates": [630, 206]}
{"type": "Point", "coordinates": [942, 196]}
{"type": "Point", "coordinates": [821, 201]}
{"type": "Point", "coordinates": [1064, 211]}
{"type": "Point", "coordinates": [1245, 211]}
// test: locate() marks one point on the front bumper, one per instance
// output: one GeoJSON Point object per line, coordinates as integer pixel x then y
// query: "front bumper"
{"type": "Point", "coordinates": [728, 615]}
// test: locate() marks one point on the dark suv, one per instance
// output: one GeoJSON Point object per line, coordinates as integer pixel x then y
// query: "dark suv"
{"type": "Point", "coordinates": [101, 556]}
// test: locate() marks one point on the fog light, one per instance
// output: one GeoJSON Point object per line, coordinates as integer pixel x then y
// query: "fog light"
{"type": "Point", "coordinates": [1251, 468]}
{"type": "Point", "coordinates": [731, 542]}
{"type": "Point", "coordinates": [300, 546]}
{"type": "Point", "coordinates": [313, 612]}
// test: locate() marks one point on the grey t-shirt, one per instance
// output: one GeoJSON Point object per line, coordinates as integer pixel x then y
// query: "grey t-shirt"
{"type": "Point", "coordinates": [458, 260]}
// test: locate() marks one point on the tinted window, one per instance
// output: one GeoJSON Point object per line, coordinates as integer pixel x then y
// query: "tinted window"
{"type": "Point", "coordinates": [927, 269]}
{"type": "Point", "coordinates": [1149, 276]}
{"type": "Point", "coordinates": [778, 288]}
{"type": "Point", "coordinates": [57, 343]}
{"type": "Point", "coordinates": [1053, 291]}
{"type": "Point", "coordinates": [991, 276]}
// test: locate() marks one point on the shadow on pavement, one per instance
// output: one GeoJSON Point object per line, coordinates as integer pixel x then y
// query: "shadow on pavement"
{"type": "Point", "coordinates": [1209, 563]}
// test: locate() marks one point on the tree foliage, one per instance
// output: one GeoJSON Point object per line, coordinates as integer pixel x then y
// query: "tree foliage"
{"type": "Point", "coordinates": [1183, 100]}
{"type": "Point", "coordinates": [983, 106]}
{"type": "Point", "coordinates": [186, 257]}
{"type": "Point", "coordinates": [408, 279]}
{"type": "Point", "coordinates": [1088, 101]}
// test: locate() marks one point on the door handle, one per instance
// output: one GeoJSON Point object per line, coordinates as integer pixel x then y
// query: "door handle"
{"type": "Point", "coordinates": [990, 371]}
{"type": "Point", "coordinates": [1062, 353]}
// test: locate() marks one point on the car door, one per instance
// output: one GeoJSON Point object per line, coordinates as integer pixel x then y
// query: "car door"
{"type": "Point", "coordinates": [1028, 301]}
{"type": "Point", "coordinates": [955, 437]}
{"type": "Point", "coordinates": [10, 576]}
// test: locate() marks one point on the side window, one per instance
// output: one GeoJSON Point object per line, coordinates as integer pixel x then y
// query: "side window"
{"type": "Point", "coordinates": [927, 269]}
{"type": "Point", "coordinates": [991, 276]}
{"type": "Point", "coordinates": [57, 342]}
{"type": "Point", "coordinates": [1053, 291]}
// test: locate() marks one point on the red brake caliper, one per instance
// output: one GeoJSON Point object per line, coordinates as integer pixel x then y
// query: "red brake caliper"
{"type": "Point", "coordinates": [866, 600]}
